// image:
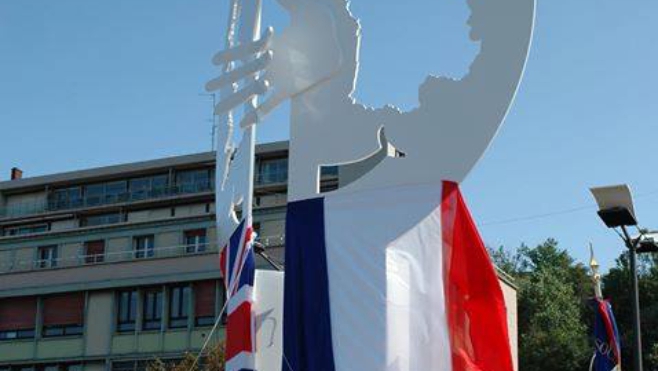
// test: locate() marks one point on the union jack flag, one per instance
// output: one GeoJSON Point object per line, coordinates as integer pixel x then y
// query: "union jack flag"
{"type": "Point", "coordinates": [238, 268]}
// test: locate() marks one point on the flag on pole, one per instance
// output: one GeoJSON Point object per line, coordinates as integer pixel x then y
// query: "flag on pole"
{"type": "Point", "coordinates": [607, 356]}
{"type": "Point", "coordinates": [394, 279]}
{"type": "Point", "coordinates": [238, 269]}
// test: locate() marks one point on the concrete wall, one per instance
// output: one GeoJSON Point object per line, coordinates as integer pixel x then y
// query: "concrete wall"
{"type": "Point", "coordinates": [118, 248]}
{"type": "Point", "coordinates": [64, 225]}
{"type": "Point", "coordinates": [190, 210]}
{"type": "Point", "coordinates": [98, 324]}
{"type": "Point", "coordinates": [149, 215]}
{"type": "Point", "coordinates": [512, 317]}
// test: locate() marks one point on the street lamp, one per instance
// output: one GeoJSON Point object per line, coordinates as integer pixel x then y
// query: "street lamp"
{"type": "Point", "coordinates": [617, 211]}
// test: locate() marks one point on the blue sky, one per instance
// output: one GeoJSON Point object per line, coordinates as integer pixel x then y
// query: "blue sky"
{"type": "Point", "coordinates": [91, 83]}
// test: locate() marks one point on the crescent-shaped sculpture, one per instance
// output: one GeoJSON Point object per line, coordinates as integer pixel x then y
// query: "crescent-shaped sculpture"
{"type": "Point", "coordinates": [316, 62]}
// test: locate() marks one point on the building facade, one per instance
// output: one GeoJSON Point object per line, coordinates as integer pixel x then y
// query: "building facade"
{"type": "Point", "coordinates": [108, 268]}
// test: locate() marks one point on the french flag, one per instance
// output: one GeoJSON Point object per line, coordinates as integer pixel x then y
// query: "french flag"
{"type": "Point", "coordinates": [238, 269]}
{"type": "Point", "coordinates": [392, 279]}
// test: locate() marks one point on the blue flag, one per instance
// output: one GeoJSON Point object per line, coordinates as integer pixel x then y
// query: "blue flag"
{"type": "Point", "coordinates": [606, 337]}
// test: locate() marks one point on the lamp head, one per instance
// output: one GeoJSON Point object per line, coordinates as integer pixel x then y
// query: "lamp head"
{"type": "Point", "coordinates": [648, 244]}
{"type": "Point", "coordinates": [616, 207]}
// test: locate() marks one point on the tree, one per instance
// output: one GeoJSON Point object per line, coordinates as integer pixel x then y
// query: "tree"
{"type": "Point", "coordinates": [617, 287]}
{"type": "Point", "coordinates": [552, 296]}
{"type": "Point", "coordinates": [214, 360]}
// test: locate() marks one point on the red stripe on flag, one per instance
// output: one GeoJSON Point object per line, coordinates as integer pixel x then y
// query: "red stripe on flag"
{"type": "Point", "coordinates": [612, 337]}
{"type": "Point", "coordinates": [475, 305]}
{"type": "Point", "coordinates": [239, 331]}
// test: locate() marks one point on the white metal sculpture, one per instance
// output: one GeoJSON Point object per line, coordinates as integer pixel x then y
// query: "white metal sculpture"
{"type": "Point", "coordinates": [235, 163]}
{"type": "Point", "coordinates": [315, 62]}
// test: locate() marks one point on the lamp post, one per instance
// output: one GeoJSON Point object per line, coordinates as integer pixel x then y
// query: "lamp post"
{"type": "Point", "coordinates": [616, 209]}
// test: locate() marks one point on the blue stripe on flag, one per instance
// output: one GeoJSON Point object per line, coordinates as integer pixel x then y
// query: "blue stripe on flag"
{"type": "Point", "coordinates": [248, 271]}
{"type": "Point", "coordinates": [233, 250]}
{"type": "Point", "coordinates": [307, 343]}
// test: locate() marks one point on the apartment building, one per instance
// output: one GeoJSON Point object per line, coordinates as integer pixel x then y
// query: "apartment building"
{"type": "Point", "coordinates": [107, 268]}
{"type": "Point", "coordinates": [102, 269]}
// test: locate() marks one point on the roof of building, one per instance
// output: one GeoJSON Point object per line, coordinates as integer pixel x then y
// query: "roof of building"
{"type": "Point", "coordinates": [133, 168]}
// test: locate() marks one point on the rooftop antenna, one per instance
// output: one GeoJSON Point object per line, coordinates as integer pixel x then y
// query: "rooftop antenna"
{"type": "Point", "coordinates": [212, 119]}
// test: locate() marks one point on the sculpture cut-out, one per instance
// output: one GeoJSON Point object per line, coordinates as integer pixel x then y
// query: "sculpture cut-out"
{"type": "Point", "coordinates": [315, 61]}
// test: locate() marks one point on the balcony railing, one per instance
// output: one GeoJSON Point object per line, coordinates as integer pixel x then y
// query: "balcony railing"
{"type": "Point", "coordinates": [131, 196]}
{"type": "Point", "coordinates": [32, 208]}
{"type": "Point", "coordinates": [263, 179]}
{"type": "Point", "coordinates": [105, 258]}
{"type": "Point", "coordinates": [17, 266]}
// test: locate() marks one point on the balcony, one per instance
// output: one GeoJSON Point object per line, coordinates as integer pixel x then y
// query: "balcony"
{"type": "Point", "coordinates": [9, 266]}
{"type": "Point", "coordinates": [74, 203]}
{"type": "Point", "coordinates": [104, 258]}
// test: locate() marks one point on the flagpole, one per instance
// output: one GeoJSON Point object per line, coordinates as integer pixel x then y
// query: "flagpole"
{"type": "Point", "coordinates": [596, 280]}
{"type": "Point", "coordinates": [596, 276]}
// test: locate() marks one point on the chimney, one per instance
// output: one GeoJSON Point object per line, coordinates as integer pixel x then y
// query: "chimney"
{"type": "Point", "coordinates": [16, 173]}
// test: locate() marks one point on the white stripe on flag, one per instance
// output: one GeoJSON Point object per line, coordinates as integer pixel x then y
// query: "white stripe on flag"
{"type": "Point", "coordinates": [242, 361]}
{"type": "Point", "coordinates": [244, 295]}
{"type": "Point", "coordinates": [386, 283]}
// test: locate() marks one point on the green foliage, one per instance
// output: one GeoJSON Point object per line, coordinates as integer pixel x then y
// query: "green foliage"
{"type": "Point", "coordinates": [552, 297]}
{"type": "Point", "coordinates": [555, 319]}
{"type": "Point", "coordinates": [213, 360]}
{"type": "Point", "coordinates": [617, 287]}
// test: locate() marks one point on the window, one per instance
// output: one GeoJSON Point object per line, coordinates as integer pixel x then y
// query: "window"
{"type": "Point", "coordinates": [26, 229]}
{"type": "Point", "coordinates": [17, 318]}
{"type": "Point", "coordinates": [126, 311]}
{"type": "Point", "coordinates": [65, 198]}
{"type": "Point", "coordinates": [144, 246]}
{"type": "Point", "coordinates": [63, 315]}
{"type": "Point", "coordinates": [47, 256]}
{"type": "Point", "coordinates": [195, 241]}
{"type": "Point", "coordinates": [106, 193]}
{"type": "Point", "coordinates": [61, 367]}
{"type": "Point", "coordinates": [94, 194]}
{"type": "Point", "coordinates": [116, 192]}
{"type": "Point", "coordinates": [102, 219]}
{"type": "Point", "coordinates": [94, 252]}
{"type": "Point", "coordinates": [328, 171]}
{"type": "Point", "coordinates": [193, 181]}
{"type": "Point", "coordinates": [205, 293]}
{"type": "Point", "coordinates": [179, 303]}
{"type": "Point", "coordinates": [152, 309]}
{"type": "Point", "coordinates": [148, 187]}
{"type": "Point", "coordinates": [273, 171]}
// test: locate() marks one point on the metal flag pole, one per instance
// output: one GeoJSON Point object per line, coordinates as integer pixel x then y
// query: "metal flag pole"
{"type": "Point", "coordinates": [598, 293]}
